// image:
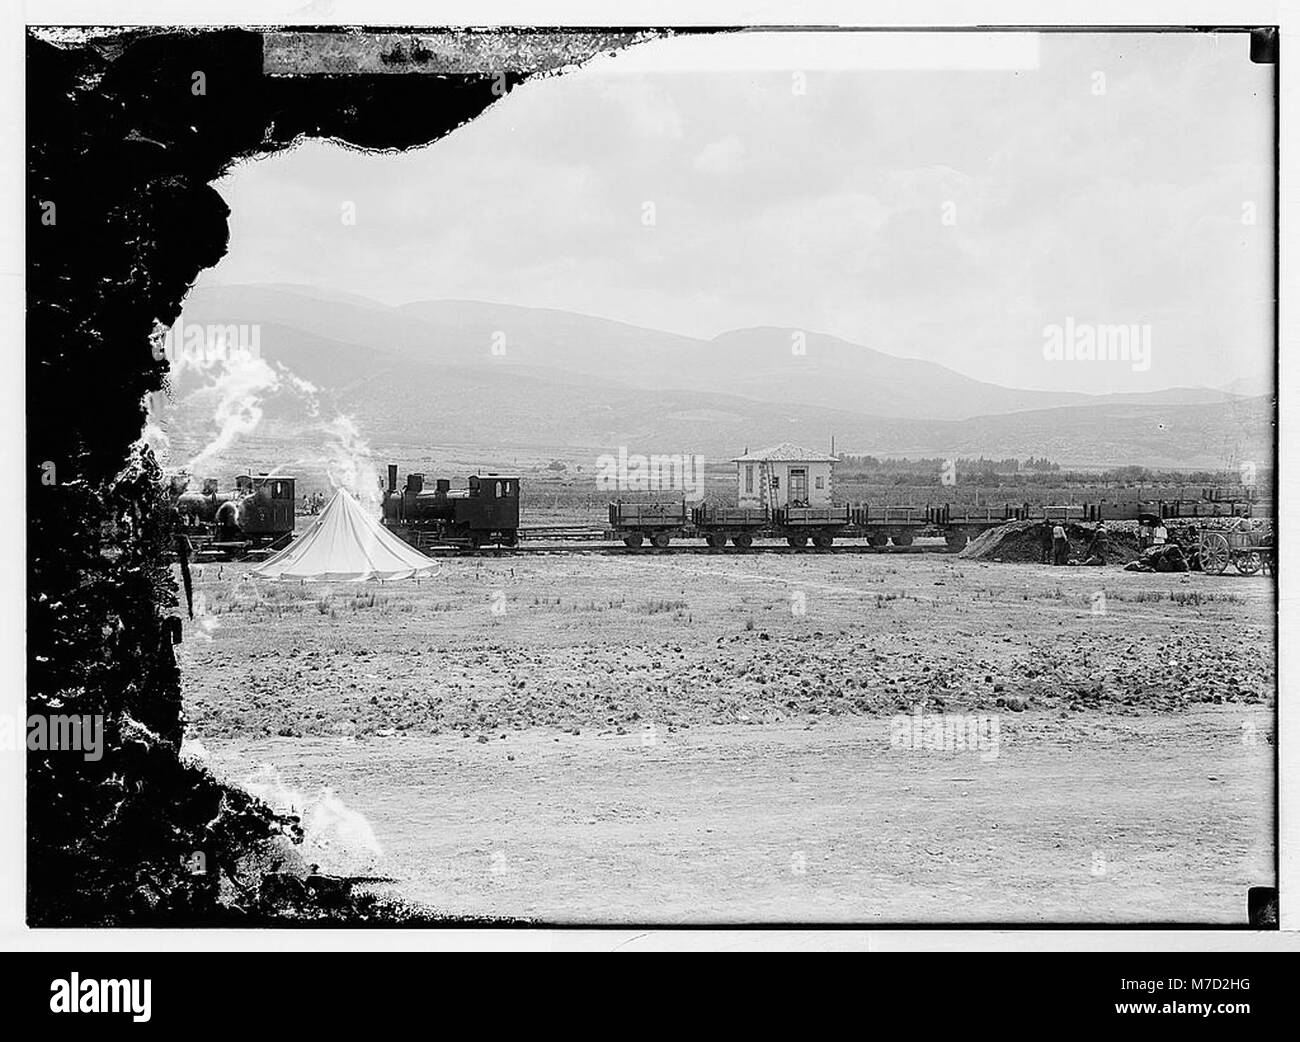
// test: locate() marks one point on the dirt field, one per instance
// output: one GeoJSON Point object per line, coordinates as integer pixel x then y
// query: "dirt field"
{"type": "Point", "coordinates": [723, 738]}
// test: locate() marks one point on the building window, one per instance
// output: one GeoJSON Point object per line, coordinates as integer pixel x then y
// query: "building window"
{"type": "Point", "coordinates": [821, 481]}
{"type": "Point", "coordinates": [749, 477]}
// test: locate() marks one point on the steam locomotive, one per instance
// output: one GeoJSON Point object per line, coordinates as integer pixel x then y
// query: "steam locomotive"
{"type": "Point", "coordinates": [257, 515]}
{"type": "Point", "coordinates": [487, 511]}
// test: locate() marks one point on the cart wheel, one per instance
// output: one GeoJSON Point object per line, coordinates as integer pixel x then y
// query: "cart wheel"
{"type": "Point", "coordinates": [1249, 563]}
{"type": "Point", "coordinates": [633, 539]}
{"type": "Point", "coordinates": [661, 539]}
{"type": "Point", "coordinates": [902, 538]}
{"type": "Point", "coordinates": [1215, 554]}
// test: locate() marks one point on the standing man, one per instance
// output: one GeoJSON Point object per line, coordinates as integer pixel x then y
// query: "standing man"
{"type": "Point", "coordinates": [1159, 534]}
{"type": "Point", "coordinates": [1060, 546]}
{"type": "Point", "coordinates": [1144, 533]}
{"type": "Point", "coordinates": [1045, 539]}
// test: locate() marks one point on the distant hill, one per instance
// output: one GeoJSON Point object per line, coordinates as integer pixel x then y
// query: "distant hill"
{"type": "Point", "coordinates": [464, 373]}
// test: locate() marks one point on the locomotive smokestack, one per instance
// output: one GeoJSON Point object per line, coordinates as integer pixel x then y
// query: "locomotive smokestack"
{"type": "Point", "coordinates": [392, 477]}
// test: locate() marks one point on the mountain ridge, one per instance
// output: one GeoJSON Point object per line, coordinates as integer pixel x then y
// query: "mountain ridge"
{"type": "Point", "coordinates": [446, 372]}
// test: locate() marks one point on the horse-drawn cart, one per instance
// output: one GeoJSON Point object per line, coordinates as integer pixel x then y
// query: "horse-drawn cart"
{"type": "Point", "coordinates": [1249, 552]}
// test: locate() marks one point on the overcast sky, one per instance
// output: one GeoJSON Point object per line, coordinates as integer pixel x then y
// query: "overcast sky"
{"type": "Point", "coordinates": [945, 214]}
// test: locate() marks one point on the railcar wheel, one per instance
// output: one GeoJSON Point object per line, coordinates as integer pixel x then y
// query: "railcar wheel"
{"type": "Point", "coordinates": [797, 540]}
{"type": "Point", "coordinates": [509, 538]}
{"type": "Point", "coordinates": [474, 542]}
{"type": "Point", "coordinates": [956, 540]}
{"type": "Point", "coordinates": [1215, 554]}
{"type": "Point", "coordinates": [717, 540]}
{"type": "Point", "coordinates": [1249, 563]}
{"type": "Point", "coordinates": [902, 538]}
{"type": "Point", "coordinates": [823, 540]}
{"type": "Point", "coordinates": [661, 539]}
{"type": "Point", "coordinates": [743, 540]}
{"type": "Point", "coordinates": [878, 539]}
{"type": "Point", "coordinates": [633, 539]}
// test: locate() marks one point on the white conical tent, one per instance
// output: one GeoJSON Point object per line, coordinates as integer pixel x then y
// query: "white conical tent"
{"type": "Point", "coordinates": [345, 544]}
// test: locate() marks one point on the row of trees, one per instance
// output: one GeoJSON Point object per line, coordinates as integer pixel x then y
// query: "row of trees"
{"type": "Point", "coordinates": [1032, 471]}
{"type": "Point", "coordinates": [932, 465]}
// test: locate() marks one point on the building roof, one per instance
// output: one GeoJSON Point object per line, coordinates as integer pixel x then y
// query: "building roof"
{"type": "Point", "coordinates": [785, 453]}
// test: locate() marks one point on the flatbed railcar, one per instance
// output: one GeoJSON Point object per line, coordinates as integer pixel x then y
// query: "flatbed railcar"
{"type": "Point", "coordinates": [659, 523]}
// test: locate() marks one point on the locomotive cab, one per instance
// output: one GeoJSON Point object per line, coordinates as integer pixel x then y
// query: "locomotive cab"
{"type": "Point", "coordinates": [268, 505]}
{"type": "Point", "coordinates": [492, 504]}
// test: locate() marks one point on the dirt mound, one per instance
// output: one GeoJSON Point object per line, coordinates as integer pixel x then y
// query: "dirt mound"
{"type": "Point", "coordinates": [1021, 541]}
{"type": "Point", "coordinates": [1179, 525]}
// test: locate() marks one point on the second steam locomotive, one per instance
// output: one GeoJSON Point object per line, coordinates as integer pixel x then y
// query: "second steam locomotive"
{"type": "Point", "coordinates": [485, 512]}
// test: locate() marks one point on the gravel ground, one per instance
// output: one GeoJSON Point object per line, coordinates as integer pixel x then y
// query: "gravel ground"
{"type": "Point", "coordinates": [607, 643]}
{"type": "Point", "coordinates": [589, 738]}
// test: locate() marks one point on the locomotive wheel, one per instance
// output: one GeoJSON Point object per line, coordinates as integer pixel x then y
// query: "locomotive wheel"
{"type": "Point", "coordinates": [797, 540]}
{"type": "Point", "coordinates": [878, 539]}
{"type": "Point", "coordinates": [823, 540]}
{"type": "Point", "coordinates": [743, 540]}
{"type": "Point", "coordinates": [1249, 563]}
{"type": "Point", "coordinates": [955, 539]}
{"type": "Point", "coordinates": [661, 539]}
{"type": "Point", "coordinates": [1215, 554]}
{"type": "Point", "coordinates": [633, 539]}
{"type": "Point", "coordinates": [902, 538]}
